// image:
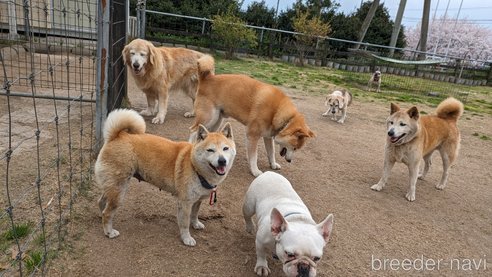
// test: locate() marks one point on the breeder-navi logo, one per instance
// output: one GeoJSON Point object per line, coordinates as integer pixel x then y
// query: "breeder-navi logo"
{"type": "Point", "coordinates": [423, 263]}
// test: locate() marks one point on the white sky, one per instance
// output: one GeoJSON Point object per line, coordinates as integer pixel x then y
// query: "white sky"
{"type": "Point", "coordinates": [478, 11]}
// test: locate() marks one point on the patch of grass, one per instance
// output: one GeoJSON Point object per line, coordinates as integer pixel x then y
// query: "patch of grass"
{"type": "Point", "coordinates": [33, 261]}
{"type": "Point", "coordinates": [320, 80]}
{"type": "Point", "coordinates": [40, 240]}
{"type": "Point", "coordinates": [17, 231]}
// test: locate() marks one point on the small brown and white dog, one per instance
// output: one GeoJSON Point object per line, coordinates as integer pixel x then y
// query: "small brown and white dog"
{"type": "Point", "coordinates": [159, 70]}
{"type": "Point", "coordinates": [265, 110]}
{"type": "Point", "coordinates": [338, 102]}
{"type": "Point", "coordinates": [411, 138]}
{"type": "Point", "coordinates": [375, 80]}
{"type": "Point", "coordinates": [190, 171]}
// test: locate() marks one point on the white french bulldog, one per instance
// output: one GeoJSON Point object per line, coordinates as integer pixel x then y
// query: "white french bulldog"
{"type": "Point", "coordinates": [285, 226]}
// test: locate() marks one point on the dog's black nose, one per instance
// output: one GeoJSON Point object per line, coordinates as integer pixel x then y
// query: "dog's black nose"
{"type": "Point", "coordinates": [333, 111]}
{"type": "Point", "coordinates": [303, 270]}
{"type": "Point", "coordinates": [136, 65]}
{"type": "Point", "coordinates": [222, 161]}
{"type": "Point", "coordinates": [391, 133]}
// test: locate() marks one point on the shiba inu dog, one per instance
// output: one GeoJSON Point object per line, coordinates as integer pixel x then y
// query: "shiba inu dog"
{"type": "Point", "coordinates": [264, 109]}
{"type": "Point", "coordinates": [411, 138]}
{"type": "Point", "coordinates": [285, 226]}
{"type": "Point", "coordinates": [190, 171]}
{"type": "Point", "coordinates": [338, 102]}
{"type": "Point", "coordinates": [160, 70]}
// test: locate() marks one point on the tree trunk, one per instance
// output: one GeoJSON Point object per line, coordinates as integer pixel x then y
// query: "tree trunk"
{"type": "Point", "coordinates": [367, 21]}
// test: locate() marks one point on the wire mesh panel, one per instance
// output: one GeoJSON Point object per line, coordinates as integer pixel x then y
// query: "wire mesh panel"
{"type": "Point", "coordinates": [48, 65]}
{"type": "Point", "coordinates": [117, 75]}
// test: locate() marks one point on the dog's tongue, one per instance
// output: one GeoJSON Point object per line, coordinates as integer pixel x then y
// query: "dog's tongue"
{"type": "Point", "coordinates": [394, 139]}
{"type": "Point", "coordinates": [221, 170]}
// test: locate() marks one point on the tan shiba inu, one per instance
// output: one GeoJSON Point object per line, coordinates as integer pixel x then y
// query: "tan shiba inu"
{"type": "Point", "coordinates": [264, 109]}
{"type": "Point", "coordinates": [412, 137]}
{"type": "Point", "coordinates": [191, 172]}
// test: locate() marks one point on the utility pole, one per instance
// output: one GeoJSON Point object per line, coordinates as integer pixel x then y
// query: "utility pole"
{"type": "Point", "coordinates": [424, 31]}
{"type": "Point", "coordinates": [367, 22]}
{"type": "Point", "coordinates": [397, 26]}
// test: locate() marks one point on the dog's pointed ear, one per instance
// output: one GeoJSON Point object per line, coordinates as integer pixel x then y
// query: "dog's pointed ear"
{"type": "Point", "coordinates": [413, 112]}
{"type": "Point", "coordinates": [394, 108]}
{"type": "Point", "coordinates": [304, 133]}
{"type": "Point", "coordinates": [202, 133]}
{"type": "Point", "coordinates": [278, 223]}
{"type": "Point", "coordinates": [227, 131]}
{"type": "Point", "coordinates": [325, 227]}
{"type": "Point", "coordinates": [311, 134]}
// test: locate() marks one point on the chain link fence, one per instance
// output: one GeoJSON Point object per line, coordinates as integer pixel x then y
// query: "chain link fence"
{"type": "Point", "coordinates": [59, 81]}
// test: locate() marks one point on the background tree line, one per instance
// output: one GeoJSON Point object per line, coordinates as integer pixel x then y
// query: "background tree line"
{"type": "Point", "coordinates": [337, 24]}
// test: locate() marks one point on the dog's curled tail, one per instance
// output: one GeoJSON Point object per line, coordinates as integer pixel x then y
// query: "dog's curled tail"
{"type": "Point", "coordinates": [206, 66]}
{"type": "Point", "coordinates": [450, 109]}
{"type": "Point", "coordinates": [123, 119]}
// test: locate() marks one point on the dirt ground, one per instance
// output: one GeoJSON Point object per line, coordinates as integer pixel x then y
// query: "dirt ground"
{"type": "Point", "coordinates": [446, 233]}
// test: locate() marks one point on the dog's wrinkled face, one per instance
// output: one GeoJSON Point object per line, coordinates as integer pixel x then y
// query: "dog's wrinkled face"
{"type": "Point", "coordinates": [293, 137]}
{"type": "Point", "coordinates": [402, 126]}
{"type": "Point", "coordinates": [137, 54]}
{"type": "Point", "coordinates": [299, 246]}
{"type": "Point", "coordinates": [376, 76]}
{"type": "Point", "coordinates": [217, 149]}
{"type": "Point", "coordinates": [335, 103]}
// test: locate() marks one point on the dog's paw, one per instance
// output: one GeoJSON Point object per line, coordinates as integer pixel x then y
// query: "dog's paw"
{"type": "Point", "coordinates": [377, 187]}
{"type": "Point", "coordinates": [146, 112]}
{"type": "Point", "coordinates": [410, 196]}
{"type": "Point", "coordinates": [262, 270]}
{"type": "Point", "coordinates": [189, 114]}
{"type": "Point", "coordinates": [197, 225]}
{"type": "Point", "coordinates": [256, 172]}
{"type": "Point", "coordinates": [158, 120]}
{"type": "Point", "coordinates": [341, 121]}
{"type": "Point", "coordinates": [112, 234]}
{"type": "Point", "coordinates": [275, 166]}
{"type": "Point", "coordinates": [440, 186]}
{"type": "Point", "coordinates": [324, 114]}
{"type": "Point", "coordinates": [250, 228]}
{"type": "Point", "coordinates": [189, 241]}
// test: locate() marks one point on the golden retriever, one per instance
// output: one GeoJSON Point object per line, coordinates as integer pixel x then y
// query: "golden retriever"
{"type": "Point", "coordinates": [158, 70]}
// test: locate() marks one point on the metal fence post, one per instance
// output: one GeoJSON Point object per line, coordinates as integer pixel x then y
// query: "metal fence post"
{"type": "Point", "coordinates": [141, 19]}
{"type": "Point", "coordinates": [102, 71]}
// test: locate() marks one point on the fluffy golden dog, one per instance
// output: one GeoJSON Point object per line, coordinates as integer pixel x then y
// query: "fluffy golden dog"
{"type": "Point", "coordinates": [158, 70]}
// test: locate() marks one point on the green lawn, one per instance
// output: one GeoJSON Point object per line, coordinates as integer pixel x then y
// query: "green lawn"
{"type": "Point", "coordinates": [310, 80]}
